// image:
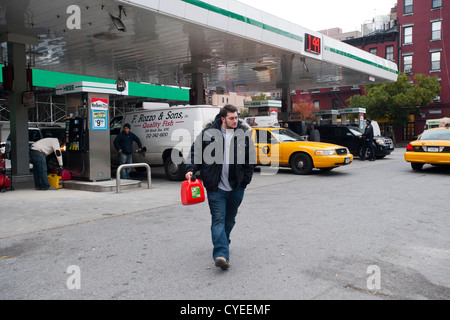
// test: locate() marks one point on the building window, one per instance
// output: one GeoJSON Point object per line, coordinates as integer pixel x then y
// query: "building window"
{"type": "Point", "coordinates": [436, 4]}
{"type": "Point", "coordinates": [438, 98]}
{"type": "Point", "coordinates": [316, 104]}
{"type": "Point", "coordinates": [373, 51]}
{"type": "Point", "coordinates": [436, 30]}
{"type": "Point", "coordinates": [389, 53]}
{"type": "Point", "coordinates": [335, 104]}
{"type": "Point", "coordinates": [408, 6]}
{"type": "Point", "coordinates": [435, 61]}
{"type": "Point", "coordinates": [408, 131]}
{"type": "Point", "coordinates": [407, 64]}
{"type": "Point", "coordinates": [407, 35]}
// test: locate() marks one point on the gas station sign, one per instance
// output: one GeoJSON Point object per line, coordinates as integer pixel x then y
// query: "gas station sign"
{"type": "Point", "coordinates": [99, 114]}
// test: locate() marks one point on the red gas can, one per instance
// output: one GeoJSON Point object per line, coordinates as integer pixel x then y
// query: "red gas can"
{"type": "Point", "coordinates": [65, 175]}
{"type": "Point", "coordinates": [192, 191]}
{"type": "Point", "coordinates": [5, 182]}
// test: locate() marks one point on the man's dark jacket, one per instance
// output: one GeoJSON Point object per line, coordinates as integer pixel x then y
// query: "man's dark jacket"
{"type": "Point", "coordinates": [125, 142]}
{"type": "Point", "coordinates": [368, 132]}
{"type": "Point", "coordinates": [241, 165]}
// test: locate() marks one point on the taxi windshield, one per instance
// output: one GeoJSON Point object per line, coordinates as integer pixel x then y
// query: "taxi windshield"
{"type": "Point", "coordinates": [286, 135]}
{"type": "Point", "coordinates": [442, 134]}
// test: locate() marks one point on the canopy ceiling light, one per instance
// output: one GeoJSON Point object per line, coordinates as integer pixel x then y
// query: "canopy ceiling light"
{"type": "Point", "coordinates": [121, 85]}
{"type": "Point", "coordinates": [118, 20]}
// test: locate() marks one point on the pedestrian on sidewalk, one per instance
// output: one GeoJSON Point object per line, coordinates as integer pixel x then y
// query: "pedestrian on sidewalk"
{"type": "Point", "coordinates": [225, 154]}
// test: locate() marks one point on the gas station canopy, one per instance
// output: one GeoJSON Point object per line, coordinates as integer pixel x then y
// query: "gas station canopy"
{"type": "Point", "coordinates": [166, 41]}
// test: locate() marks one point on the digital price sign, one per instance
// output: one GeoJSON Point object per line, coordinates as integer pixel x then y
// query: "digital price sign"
{"type": "Point", "coordinates": [312, 43]}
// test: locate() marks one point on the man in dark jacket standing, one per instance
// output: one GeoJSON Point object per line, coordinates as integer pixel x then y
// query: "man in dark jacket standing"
{"type": "Point", "coordinates": [226, 156]}
{"type": "Point", "coordinates": [368, 135]}
{"type": "Point", "coordinates": [124, 146]}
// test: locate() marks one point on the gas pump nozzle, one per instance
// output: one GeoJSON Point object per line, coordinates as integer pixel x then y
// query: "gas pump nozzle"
{"type": "Point", "coordinates": [143, 150]}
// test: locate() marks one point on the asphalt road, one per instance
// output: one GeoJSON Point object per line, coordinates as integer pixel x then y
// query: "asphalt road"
{"type": "Point", "coordinates": [371, 230]}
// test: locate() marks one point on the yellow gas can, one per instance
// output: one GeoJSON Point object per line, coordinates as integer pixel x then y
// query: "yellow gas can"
{"type": "Point", "coordinates": [55, 181]}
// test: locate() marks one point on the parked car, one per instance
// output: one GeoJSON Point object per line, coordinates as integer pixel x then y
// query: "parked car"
{"type": "Point", "coordinates": [285, 148]}
{"type": "Point", "coordinates": [349, 137]}
{"type": "Point", "coordinates": [432, 147]}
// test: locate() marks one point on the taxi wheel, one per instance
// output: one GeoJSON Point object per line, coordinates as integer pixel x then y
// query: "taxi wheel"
{"type": "Point", "coordinates": [416, 166]}
{"type": "Point", "coordinates": [301, 164]}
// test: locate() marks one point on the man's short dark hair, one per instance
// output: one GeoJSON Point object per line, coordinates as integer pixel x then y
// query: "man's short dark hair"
{"type": "Point", "coordinates": [229, 108]}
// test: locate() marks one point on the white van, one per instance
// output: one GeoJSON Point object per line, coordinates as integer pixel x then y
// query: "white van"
{"type": "Point", "coordinates": [165, 131]}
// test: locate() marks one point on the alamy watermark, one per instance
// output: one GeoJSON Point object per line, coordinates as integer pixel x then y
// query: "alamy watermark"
{"type": "Point", "coordinates": [74, 20]}
{"type": "Point", "coordinates": [374, 280]}
{"type": "Point", "coordinates": [74, 280]}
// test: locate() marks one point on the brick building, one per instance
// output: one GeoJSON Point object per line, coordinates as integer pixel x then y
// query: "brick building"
{"type": "Point", "coordinates": [424, 47]}
{"type": "Point", "coordinates": [416, 36]}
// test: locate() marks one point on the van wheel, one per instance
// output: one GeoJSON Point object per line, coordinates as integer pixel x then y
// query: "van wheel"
{"type": "Point", "coordinates": [301, 164]}
{"type": "Point", "coordinates": [174, 172]}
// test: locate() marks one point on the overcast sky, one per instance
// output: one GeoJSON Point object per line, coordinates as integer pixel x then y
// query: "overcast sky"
{"type": "Point", "coordinates": [324, 14]}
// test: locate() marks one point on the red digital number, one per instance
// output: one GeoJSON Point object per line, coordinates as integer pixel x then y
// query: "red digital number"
{"type": "Point", "coordinates": [312, 44]}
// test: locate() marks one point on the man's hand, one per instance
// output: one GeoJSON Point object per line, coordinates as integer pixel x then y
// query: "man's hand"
{"type": "Point", "coordinates": [188, 175]}
{"type": "Point", "coordinates": [119, 151]}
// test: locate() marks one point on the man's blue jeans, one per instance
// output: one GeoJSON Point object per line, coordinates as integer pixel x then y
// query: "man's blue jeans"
{"type": "Point", "coordinates": [39, 161]}
{"type": "Point", "coordinates": [125, 159]}
{"type": "Point", "coordinates": [223, 206]}
{"type": "Point", "coordinates": [369, 144]}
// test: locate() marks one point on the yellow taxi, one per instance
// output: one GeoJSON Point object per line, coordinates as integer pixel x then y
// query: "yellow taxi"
{"type": "Point", "coordinates": [432, 147]}
{"type": "Point", "coordinates": [280, 147]}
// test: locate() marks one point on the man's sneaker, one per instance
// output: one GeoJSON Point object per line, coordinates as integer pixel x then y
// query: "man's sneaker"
{"type": "Point", "coordinates": [222, 263]}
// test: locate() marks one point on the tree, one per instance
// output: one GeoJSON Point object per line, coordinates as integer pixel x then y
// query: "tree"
{"type": "Point", "coordinates": [303, 110]}
{"type": "Point", "coordinates": [260, 97]}
{"type": "Point", "coordinates": [395, 101]}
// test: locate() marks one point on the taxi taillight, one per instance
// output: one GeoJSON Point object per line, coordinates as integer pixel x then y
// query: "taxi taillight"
{"type": "Point", "coordinates": [409, 147]}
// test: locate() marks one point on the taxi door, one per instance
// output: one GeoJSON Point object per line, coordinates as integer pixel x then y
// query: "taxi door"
{"type": "Point", "coordinates": [266, 147]}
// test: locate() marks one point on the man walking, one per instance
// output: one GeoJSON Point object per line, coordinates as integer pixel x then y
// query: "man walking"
{"type": "Point", "coordinates": [368, 135]}
{"type": "Point", "coordinates": [38, 157]}
{"type": "Point", "coordinates": [124, 146]}
{"type": "Point", "coordinates": [226, 156]}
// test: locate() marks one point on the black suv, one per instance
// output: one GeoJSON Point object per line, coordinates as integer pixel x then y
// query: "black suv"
{"type": "Point", "coordinates": [348, 136]}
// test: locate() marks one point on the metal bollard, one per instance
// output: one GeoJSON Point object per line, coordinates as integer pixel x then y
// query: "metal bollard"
{"type": "Point", "coordinates": [133, 165]}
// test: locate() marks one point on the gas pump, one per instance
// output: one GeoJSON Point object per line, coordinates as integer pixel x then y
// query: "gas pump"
{"type": "Point", "coordinates": [87, 129]}
{"type": "Point", "coordinates": [87, 139]}
{"type": "Point", "coordinates": [77, 147]}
